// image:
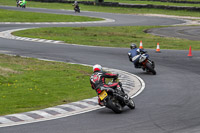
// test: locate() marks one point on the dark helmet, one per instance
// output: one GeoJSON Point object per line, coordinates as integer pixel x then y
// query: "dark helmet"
{"type": "Point", "coordinates": [133, 45]}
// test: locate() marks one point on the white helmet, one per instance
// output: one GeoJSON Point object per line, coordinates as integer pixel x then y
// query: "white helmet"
{"type": "Point", "coordinates": [97, 67]}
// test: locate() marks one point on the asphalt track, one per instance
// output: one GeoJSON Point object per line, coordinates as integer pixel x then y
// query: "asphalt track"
{"type": "Point", "coordinates": [185, 32]}
{"type": "Point", "coordinates": [169, 104]}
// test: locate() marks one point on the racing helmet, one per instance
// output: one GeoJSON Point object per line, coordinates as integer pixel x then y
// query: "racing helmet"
{"type": "Point", "coordinates": [133, 45]}
{"type": "Point", "coordinates": [97, 67]}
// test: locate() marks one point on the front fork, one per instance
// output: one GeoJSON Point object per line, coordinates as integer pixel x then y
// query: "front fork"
{"type": "Point", "coordinates": [152, 63]}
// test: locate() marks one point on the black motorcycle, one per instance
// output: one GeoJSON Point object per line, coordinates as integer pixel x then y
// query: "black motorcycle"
{"type": "Point", "coordinates": [77, 9]}
{"type": "Point", "coordinates": [114, 99]}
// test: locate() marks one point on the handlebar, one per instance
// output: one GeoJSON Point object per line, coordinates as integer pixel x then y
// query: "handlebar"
{"type": "Point", "coordinates": [114, 79]}
{"type": "Point", "coordinates": [142, 52]}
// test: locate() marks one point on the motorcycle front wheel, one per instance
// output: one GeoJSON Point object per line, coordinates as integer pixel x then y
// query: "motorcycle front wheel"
{"type": "Point", "coordinates": [131, 104]}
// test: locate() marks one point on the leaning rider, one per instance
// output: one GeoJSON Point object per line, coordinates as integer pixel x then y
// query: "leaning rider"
{"type": "Point", "coordinates": [134, 55]}
{"type": "Point", "coordinates": [76, 4]}
{"type": "Point", "coordinates": [97, 81]}
{"type": "Point", "coordinates": [19, 1]}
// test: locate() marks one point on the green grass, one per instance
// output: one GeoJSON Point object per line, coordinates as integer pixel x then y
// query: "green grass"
{"type": "Point", "coordinates": [29, 84]}
{"type": "Point", "coordinates": [109, 36]}
{"type": "Point", "coordinates": [104, 9]}
{"type": "Point", "coordinates": [155, 3]}
{"type": "Point", "coordinates": [10, 16]}
{"type": "Point", "coordinates": [133, 1]}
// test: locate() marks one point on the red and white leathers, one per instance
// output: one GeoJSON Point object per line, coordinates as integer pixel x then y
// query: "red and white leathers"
{"type": "Point", "coordinates": [97, 80]}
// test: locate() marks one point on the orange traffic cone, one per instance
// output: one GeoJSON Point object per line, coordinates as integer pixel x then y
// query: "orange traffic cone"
{"type": "Point", "coordinates": [158, 48]}
{"type": "Point", "coordinates": [190, 52]}
{"type": "Point", "coordinates": [141, 47]}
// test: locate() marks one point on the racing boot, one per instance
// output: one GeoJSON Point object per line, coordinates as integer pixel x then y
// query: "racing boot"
{"type": "Point", "coordinates": [100, 102]}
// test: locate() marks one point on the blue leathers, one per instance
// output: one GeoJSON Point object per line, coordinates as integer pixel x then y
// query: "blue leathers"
{"type": "Point", "coordinates": [134, 56]}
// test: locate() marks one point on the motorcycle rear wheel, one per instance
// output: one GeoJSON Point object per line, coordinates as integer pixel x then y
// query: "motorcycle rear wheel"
{"type": "Point", "coordinates": [115, 105]}
{"type": "Point", "coordinates": [150, 68]}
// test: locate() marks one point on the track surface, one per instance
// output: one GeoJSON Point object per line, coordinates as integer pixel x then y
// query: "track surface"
{"type": "Point", "coordinates": [169, 104]}
{"type": "Point", "coordinates": [185, 32]}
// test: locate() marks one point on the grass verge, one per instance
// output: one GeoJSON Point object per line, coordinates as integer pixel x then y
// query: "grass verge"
{"type": "Point", "coordinates": [29, 84]}
{"type": "Point", "coordinates": [19, 16]}
{"type": "Point", "coordinates": [152, 2]}
{"type": "Point", "coordinates": [105, 9]}
{"type": "Point", "coordinates": [120, 36]}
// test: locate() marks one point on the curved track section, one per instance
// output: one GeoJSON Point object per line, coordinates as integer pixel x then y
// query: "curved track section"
{"type": "Point", "coordinates": [185, 32]}
{"type": "Point", "coordinates": [120, 19]}
{"type": "Point", "coordinates": [169, 104]}
{"type": "Point", "coordinates": [132, 84]}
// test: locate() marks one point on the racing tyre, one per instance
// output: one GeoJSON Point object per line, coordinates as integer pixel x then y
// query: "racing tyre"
{"type": "Point", "coordinates": [115, 105]}
{"type": "Point", "coordinates": [150, 68]}
{"type": "Point", "coordinates": [131, 104]}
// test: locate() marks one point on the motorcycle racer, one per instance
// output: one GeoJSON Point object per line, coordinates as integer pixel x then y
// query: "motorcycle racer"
{"type": "Point", "coordinates": [23, 2]}
{"type": "Point", "coordinates": [76, 6]}
{"type": "Point", "coordinates": [97, 81]}
{"type": "Point", "coordinates": [140, 59]}
{"type": "Point", "coordinates": [134, 55]}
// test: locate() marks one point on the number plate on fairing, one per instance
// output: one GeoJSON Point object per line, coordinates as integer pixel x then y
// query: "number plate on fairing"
{"type": "Point", "coordinates": [103, 95]}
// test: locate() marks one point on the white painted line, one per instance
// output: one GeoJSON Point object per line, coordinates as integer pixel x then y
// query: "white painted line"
{"type": "Point", "coordinates": [27, 39]}
{"type": "Point", "coordinates": [18, 38]}
{"type": "Point", "coordinates": [106, 20]}
{"type": "Point", "coordinates": [4, 51]}
{"type": "Point", "coordinates": [35, 39]}
{"type": "Point", "coordinates": [142, 86]}
{"type": "Point", "coordinates": [41, 40]}
{"type": "Point", "coordinates": [57, 42]}
{"type": "Point", "coordinates": [50, 41]}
